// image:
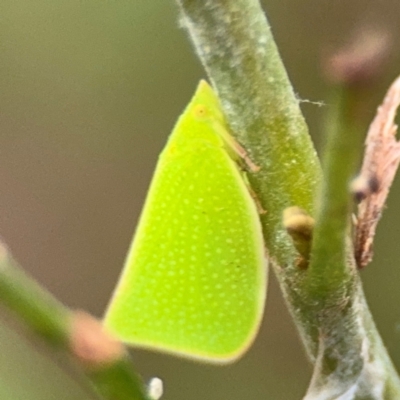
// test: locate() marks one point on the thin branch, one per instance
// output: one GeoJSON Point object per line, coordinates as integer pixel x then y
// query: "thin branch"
{"type": "Point", "coordinates": [103, 360]}
{"type": "Point", "coordinates": [330, 274]}
{"type": "Point", "coordinates": [350, 351]}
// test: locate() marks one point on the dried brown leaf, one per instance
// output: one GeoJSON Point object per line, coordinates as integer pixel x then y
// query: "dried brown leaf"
{"type": "Point", "coordinates": [381, 160]}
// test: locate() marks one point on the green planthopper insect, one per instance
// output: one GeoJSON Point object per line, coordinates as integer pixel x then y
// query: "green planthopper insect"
{"type": "Point", "coordinates": [194, 282]}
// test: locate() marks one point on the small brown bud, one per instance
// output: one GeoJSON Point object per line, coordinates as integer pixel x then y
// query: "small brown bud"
{"type": "Point", "coordinates": [361, 61]}
{"type": "Point", "coordinates": [90, 344]}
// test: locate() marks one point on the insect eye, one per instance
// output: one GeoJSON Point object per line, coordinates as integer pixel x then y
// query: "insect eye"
{"type": "Point", "coordinates": [200, 111]}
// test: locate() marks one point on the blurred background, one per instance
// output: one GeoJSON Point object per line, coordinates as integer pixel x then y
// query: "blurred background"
{"type": "Point", "coordinates": [89, 91]}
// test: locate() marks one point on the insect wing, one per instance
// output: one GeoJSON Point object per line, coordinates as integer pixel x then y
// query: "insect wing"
{"type": "Point", "coordinates": [194, 282]}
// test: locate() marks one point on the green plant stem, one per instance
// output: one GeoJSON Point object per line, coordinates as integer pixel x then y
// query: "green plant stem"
{"type": "Point", "coordinates": [235, 44]}
{"type": "Point", "coordinates": [329, 272]}
{"type": "Point", "coordinates": [350, 351]}
{"type": "Point", "coordinates": [48, 318]}
{"type": "Point", "coordinates": [37, 308]}
{"type": "Point", "coordinates": [118, 381]}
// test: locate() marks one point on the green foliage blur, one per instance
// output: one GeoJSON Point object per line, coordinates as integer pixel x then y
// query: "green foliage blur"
{"type": "Point", "coordinates": [90, 89]}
